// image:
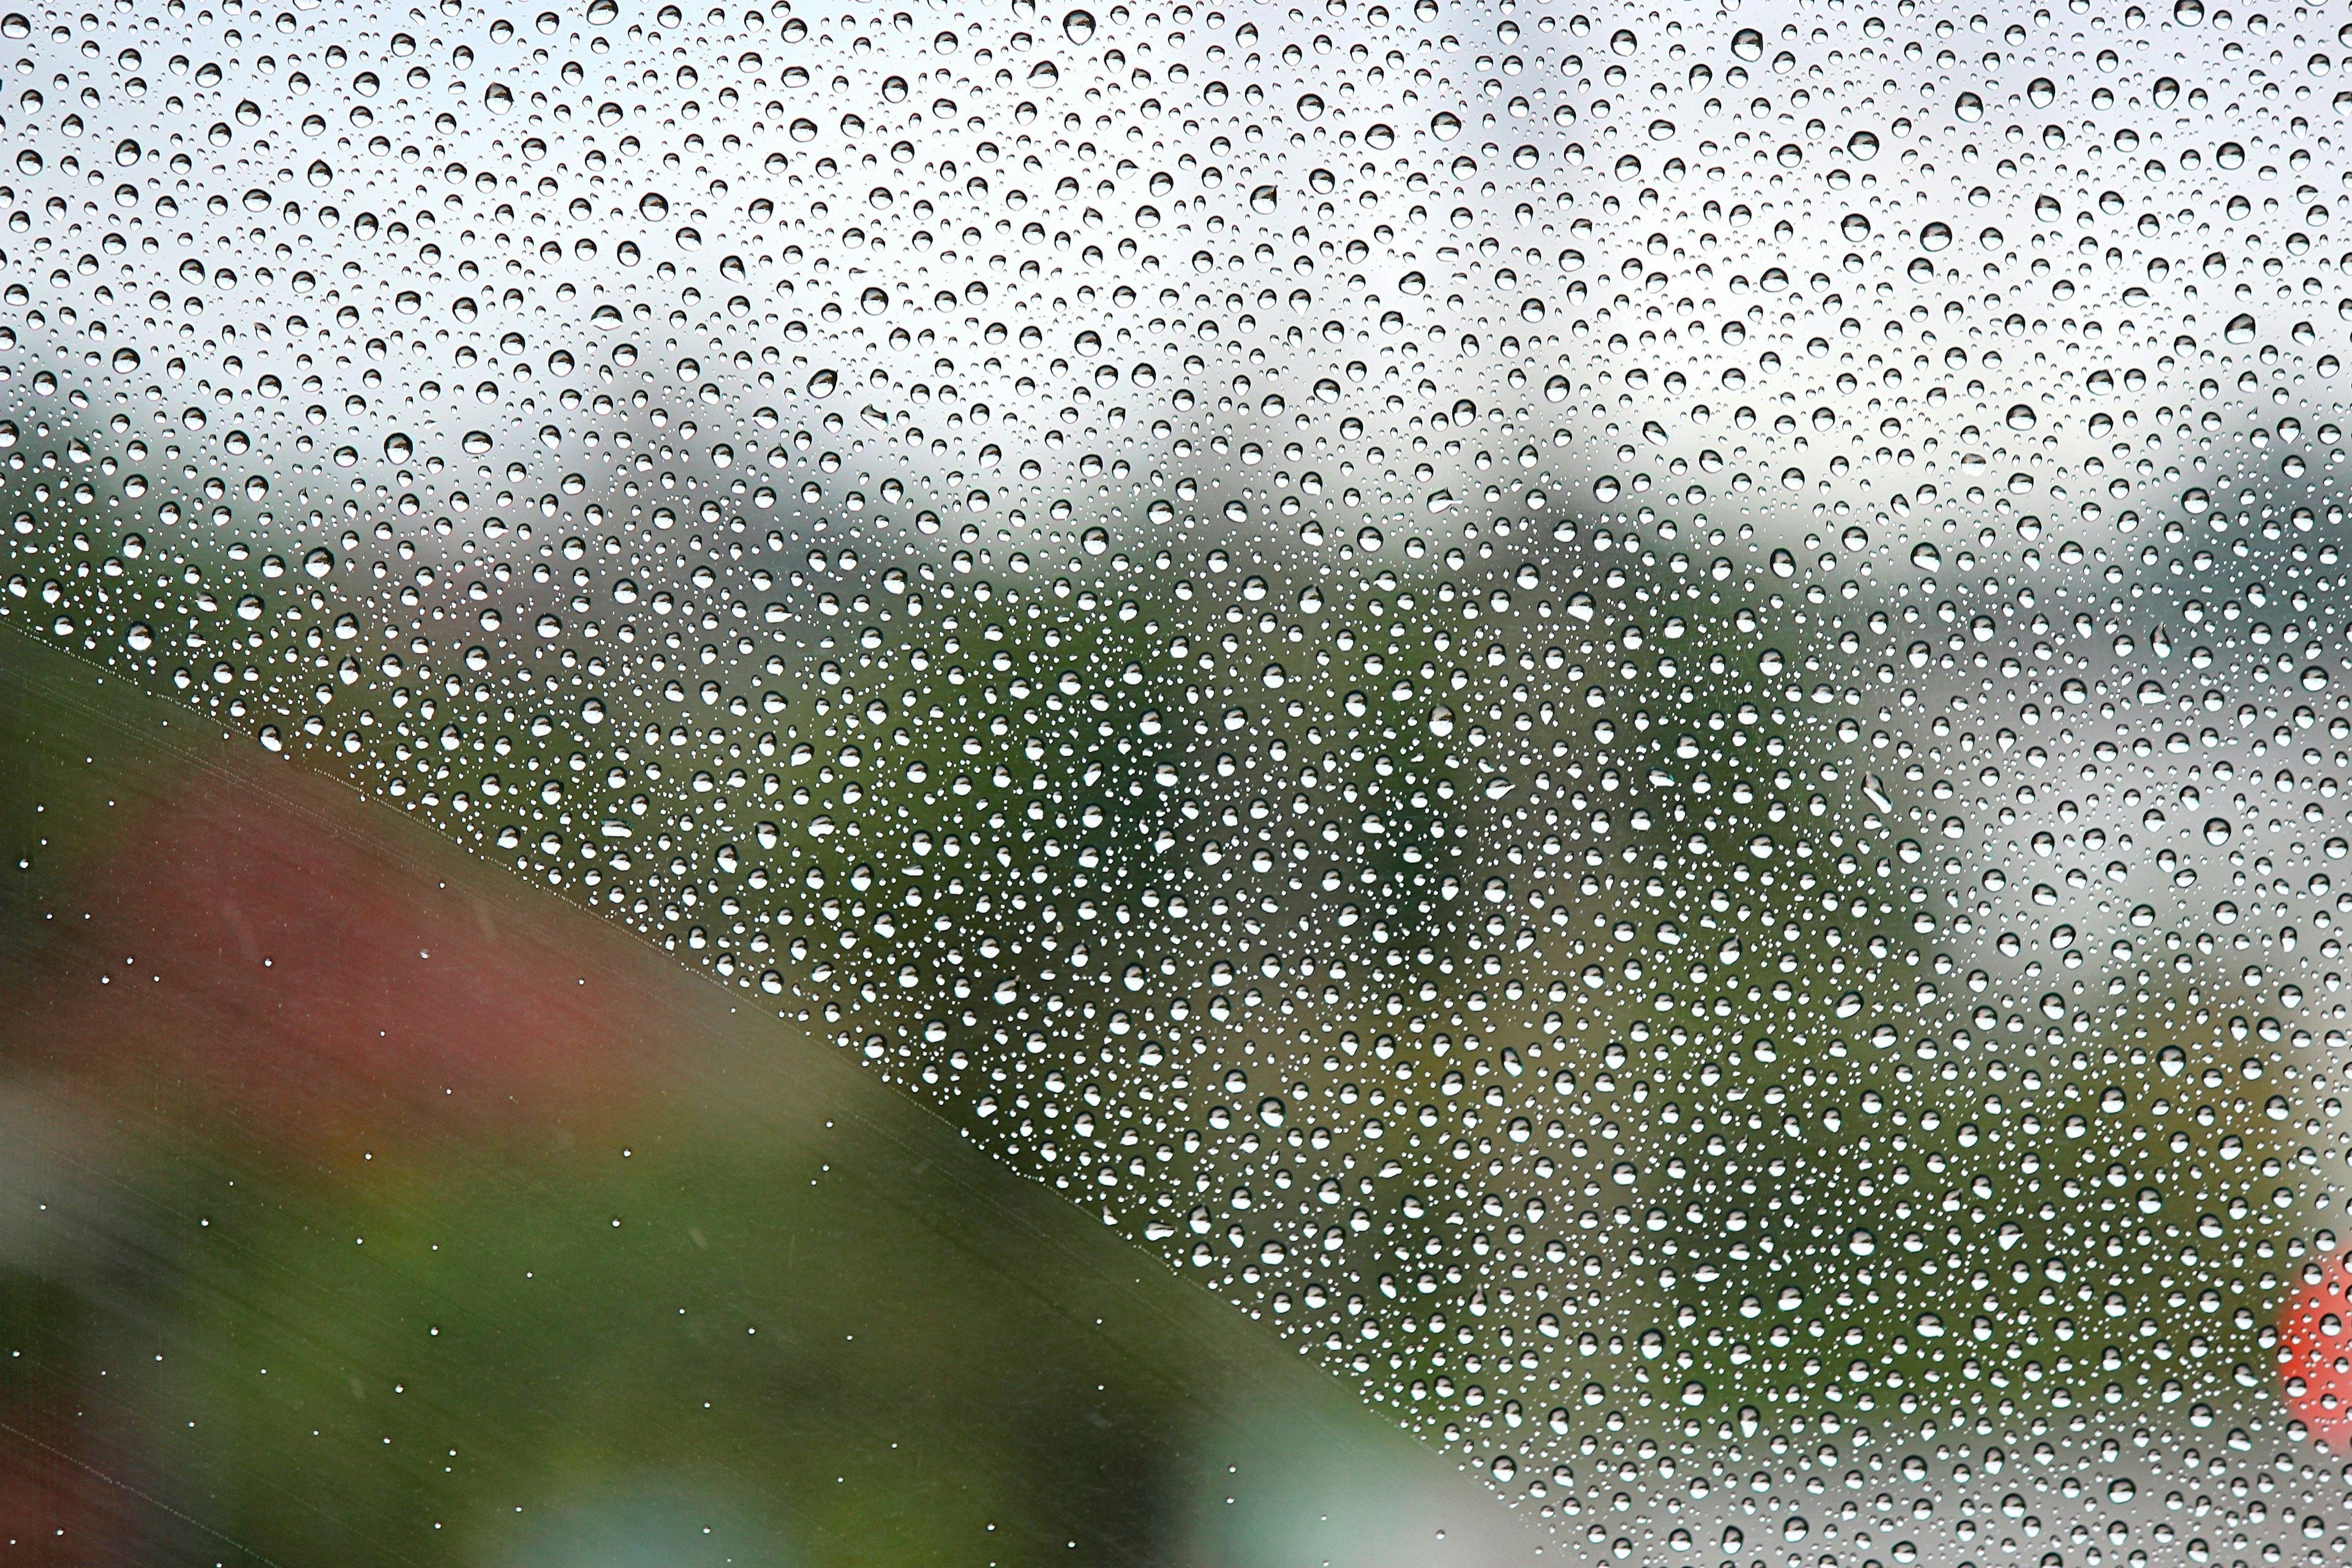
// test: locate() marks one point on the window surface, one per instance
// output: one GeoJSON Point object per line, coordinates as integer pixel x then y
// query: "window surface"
{"type": "Point", "coordinates": [1635, 721]}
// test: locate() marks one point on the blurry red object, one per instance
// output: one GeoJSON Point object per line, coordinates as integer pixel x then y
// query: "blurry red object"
{"type": "Point", "coordinates": [2315, 1335]}
{"type": "Point", "coordinates": [268, 954]}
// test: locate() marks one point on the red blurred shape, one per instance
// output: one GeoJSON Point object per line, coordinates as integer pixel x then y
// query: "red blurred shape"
{"type": "Point", "coordinates": [266, 955]}
{"type": "Point", "coordinates": [2316, 1333]}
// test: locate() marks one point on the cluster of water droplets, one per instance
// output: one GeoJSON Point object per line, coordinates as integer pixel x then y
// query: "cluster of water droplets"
{"type": "Point", "coordinates": [1636, 716]}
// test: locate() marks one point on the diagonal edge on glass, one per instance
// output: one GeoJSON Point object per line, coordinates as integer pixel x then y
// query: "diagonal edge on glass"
{"type": "Point", "coordinates": [341, 1226]}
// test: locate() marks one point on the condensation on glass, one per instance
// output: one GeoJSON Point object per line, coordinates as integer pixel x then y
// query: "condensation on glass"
{"type": "Point", "coordinates": [1636, 716]}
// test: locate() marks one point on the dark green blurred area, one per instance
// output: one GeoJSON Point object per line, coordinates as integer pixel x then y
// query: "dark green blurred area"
{"type": "Point", "coordinates": [358, 1204]}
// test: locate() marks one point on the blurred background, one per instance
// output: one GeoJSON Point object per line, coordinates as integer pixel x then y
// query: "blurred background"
{"type": "Point", "coordinates": [1634, 722]}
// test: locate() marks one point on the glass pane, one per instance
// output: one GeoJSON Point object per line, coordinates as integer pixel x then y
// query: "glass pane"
{"type": "Point", "coordinates": [1633, 719]}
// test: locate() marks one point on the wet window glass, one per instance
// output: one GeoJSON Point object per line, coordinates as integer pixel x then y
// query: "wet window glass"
{"type": "Point", "coordinates": [1620, 731]}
